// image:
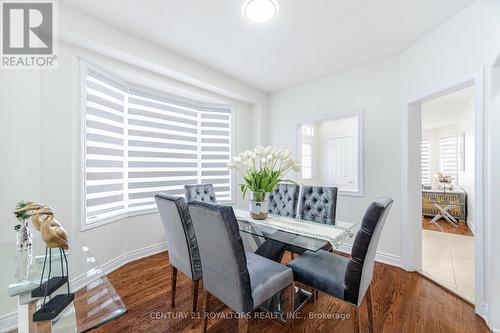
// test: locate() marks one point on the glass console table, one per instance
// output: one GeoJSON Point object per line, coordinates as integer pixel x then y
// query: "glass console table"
{"type": "Point", "coordinates": [96, 301]}
{"type": "Point", "coordinates": [275, 234]}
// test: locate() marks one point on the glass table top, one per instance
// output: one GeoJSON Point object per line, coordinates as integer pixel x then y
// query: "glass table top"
{"type": "Point", "coordinates": [96, 301]}
{"type": "Point", "coordinates": [302, 234]}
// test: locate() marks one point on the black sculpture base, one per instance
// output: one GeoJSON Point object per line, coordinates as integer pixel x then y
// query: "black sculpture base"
{"type": "Point", "coordinates": [47, 288]}
{"type": "Point", "coordinates": [53, 307]}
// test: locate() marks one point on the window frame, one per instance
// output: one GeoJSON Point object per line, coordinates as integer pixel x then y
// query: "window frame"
{"type": "Point", "coordinates": [84, 67]}
{"type": "Point", "coordinates": [311, 142]}
{"type": "Point", "coordinates": [360, 143]}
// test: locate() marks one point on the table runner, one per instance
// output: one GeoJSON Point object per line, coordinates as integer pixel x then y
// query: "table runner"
{"type": "Point", "coordinates": [335, 234]}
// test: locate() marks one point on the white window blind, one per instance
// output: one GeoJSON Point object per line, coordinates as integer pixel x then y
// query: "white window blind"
{"type": "Point", "coordinates": [139, 143]}
{"type": "Point", "coordinates": [426, 161]}
{"type": "Point", "coordinates": [448, 146]}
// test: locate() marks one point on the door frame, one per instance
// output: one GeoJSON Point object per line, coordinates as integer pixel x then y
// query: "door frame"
{"type": "Point", "coordinates": [411, 204]}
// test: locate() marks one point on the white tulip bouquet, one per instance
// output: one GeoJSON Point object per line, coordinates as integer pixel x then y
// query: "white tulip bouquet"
{"type": "Point", "coordinates": [263, 168]}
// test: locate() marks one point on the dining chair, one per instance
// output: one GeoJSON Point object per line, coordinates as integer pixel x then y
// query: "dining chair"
{"type": "Point", "coordinates": [318, 204]}
{"type": "Point", "coordinates": [283, 200]}
{"type": "Point", "coordinates": [347, 279]}
{"type": "Point", "coordinates": [200, 192]}
{"type": "Point", "coordinates": [183, 251]}
{"type": "Point", "coordinates": [241, 280]}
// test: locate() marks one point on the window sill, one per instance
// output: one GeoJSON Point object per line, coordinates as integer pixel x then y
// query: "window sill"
{"type": "Point", "coordinates": [120, 217]}
{"type": "Point", "coordinates": [358, 194]}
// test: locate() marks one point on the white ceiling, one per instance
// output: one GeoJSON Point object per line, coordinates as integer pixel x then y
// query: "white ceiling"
{"type": "Point", "coordinates": [307, 40]}
{"type": "Point", "coordinates": [446, 110]}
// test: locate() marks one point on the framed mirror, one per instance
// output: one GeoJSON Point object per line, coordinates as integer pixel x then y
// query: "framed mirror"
{"type": "Point", "coordinates": [331, 153]}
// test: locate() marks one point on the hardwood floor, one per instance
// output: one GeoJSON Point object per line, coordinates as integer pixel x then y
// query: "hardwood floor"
{"type": "Point", "coordinates": [402, 302]}
{"type": "Point", "coordinates": [444, 226]}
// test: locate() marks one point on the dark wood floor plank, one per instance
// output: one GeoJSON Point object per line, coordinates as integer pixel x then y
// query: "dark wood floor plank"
{"type": "Point", "coordinates": [443, 226]}
{"type": "Point", "coordinates": [402, 302]}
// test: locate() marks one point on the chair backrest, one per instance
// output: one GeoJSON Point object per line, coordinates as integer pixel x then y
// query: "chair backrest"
{"type": "Point", "coordinates": [200, 192]}
{"type": "Point", "coordinates": [318, 204]}
{"type": "Point", "coordinates": [182, 245]}
{"type": "Point", "coordinates": [359, 270]}
{"type": "Point", "coordinates": [223, 259]}
{"type": "Point", "coordinates": [283, 201]}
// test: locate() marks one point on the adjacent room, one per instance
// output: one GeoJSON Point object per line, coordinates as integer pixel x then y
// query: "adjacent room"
{"type": "Point", "coordinates": [249, 166]}
{"type": "Point", "coordinates": [448, 185]}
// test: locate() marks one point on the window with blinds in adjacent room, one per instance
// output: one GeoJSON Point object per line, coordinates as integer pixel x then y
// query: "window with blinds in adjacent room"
{"type": "Point", "coordinates": [138, 143]}
{"type": "Point", "coordinates": [426, 161]}
{"type": "Point", "coordinates": [448, 146]}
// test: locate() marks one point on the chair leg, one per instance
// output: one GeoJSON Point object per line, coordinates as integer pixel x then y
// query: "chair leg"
{"type": "Point", "coordinates": [355, 319]}
{"type": "Point", "coordinates": [194, 292]}
{"type": "Point", "coordinates": [194, 297]}
{"type": "Point", "coordinates": [174, 285]}
{"type": "Point", "coordinates": [206, 310]}
{"type": "Point", "coordinates": [370, 309]}
{"type": "Point", "coordinates": [243, 325]}
{"type": "Point", "coordinates": [291, 305]}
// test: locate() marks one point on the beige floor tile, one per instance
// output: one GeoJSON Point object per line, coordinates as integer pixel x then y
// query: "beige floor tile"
{"type": "Point", "coordinates": [448, 259]}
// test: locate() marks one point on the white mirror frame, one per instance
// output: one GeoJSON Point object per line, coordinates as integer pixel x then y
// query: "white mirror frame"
{"type": "Point", "coordinates": [360, 115]}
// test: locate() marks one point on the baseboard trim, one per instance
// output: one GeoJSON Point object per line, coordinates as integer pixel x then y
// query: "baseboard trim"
{"type": "Point", "coordinates": [9, 322]}
{"type": "Point", "coordinates": [125, 258]}
{"type": "Point", "coordinates": [385, 258]}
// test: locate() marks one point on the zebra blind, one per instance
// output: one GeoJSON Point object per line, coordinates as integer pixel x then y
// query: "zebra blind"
{"type": "Point", "coordinates": [426, 161]}
{"type": "Point", "coordinates": [448, 146]}
{"type": "Point", "coordinates": [138, 144]}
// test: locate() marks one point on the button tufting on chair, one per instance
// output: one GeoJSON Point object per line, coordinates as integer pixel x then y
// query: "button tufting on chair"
{"type": "Point", "coordinates": [284, 200]}
{"type": "Point", "coordinates": [200, 192]}
{"type": "Point", "coordinates": [318, 204]}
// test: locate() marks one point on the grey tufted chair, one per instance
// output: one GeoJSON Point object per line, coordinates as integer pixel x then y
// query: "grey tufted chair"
{"type": "Point", "coordinates": [318, 204]}
{"type": "Point", "coordinates": [241, 280]}
{"type": "Point", "coordinates": [283, 201]}
{"type": "Point", "coordinates": [347, 279]}
{"type": "Point", "coordinates": [200, 192]}
{"type": "Point", "coordinates": [183, 250]}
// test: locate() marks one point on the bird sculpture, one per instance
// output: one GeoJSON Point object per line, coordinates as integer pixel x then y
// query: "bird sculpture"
{"type": "Point", "coordinates": [43, 219]}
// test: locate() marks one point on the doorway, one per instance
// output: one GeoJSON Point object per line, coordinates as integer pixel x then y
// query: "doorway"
{"type": "Point", "coordinates": [411, 180]}
{"type": "Point", "coordinates": [448, 191]}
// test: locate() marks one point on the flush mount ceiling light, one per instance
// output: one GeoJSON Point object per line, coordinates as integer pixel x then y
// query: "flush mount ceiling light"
{"type": "Point", "coordinates": [260, 11]}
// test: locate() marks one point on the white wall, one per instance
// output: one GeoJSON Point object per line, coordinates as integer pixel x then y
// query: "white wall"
{"type": "Point", "coordinates": [374, 89]}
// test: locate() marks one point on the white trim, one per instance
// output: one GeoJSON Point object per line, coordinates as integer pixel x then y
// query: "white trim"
{"type": "Point", "coordinates": [385, 258]}
{"type": "Point", "coordinates": [8, 322]}
{"type": "Point", "coordinates": [130, 256]}
{"type": "Point", "coordinates": [361, 169]}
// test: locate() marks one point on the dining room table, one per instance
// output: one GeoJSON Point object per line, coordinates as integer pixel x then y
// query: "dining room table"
{"type": "Point", "coordinates": [275, 234]}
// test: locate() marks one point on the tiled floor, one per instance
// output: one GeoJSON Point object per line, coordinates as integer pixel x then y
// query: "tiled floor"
{"type": "Point", "coordinates": [448, 259]}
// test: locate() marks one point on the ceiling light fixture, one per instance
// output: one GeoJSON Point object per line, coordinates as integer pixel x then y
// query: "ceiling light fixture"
{"type": "Point", "coordinates": [260, 11]}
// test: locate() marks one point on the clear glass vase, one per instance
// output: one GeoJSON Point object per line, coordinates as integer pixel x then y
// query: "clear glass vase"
{"type": "Point", "coordinates": [258, 205]}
